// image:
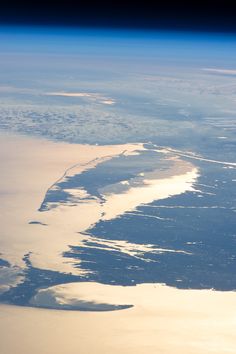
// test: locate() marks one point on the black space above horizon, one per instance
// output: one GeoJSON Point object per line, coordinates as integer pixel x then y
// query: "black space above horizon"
{"type": "Point", "coordinates": [209, 15]}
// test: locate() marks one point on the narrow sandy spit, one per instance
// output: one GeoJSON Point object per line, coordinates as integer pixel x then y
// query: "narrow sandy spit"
{"type": "Point", "coordinates": [29, 168]}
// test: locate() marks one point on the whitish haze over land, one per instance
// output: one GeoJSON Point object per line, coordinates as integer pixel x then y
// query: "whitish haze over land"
{"type": "Point", "coordinates": [118, 175]}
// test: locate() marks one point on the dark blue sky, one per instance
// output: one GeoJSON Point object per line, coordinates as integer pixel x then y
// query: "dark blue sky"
{"type": "Point", "coordinates": [185, 15]}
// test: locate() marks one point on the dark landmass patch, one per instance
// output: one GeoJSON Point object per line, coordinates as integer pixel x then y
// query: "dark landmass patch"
{"type": "Point", "coordinates": [87, 306]}
{"type": "Point", "coordinates": [4, 263]}
{"type": "Point", "coordinates": [35, 279]}
{"type": "Point", "coordinates": [202, 226]}
{"type": "Point", "coordinates": [117, 169]}
{"type": "Point", "coordinates": [37, 223]}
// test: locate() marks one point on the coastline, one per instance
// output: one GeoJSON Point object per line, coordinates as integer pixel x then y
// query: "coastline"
{"type": "Point", "coordinates": [163, 319]}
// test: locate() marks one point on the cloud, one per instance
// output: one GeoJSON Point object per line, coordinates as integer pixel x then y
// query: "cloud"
{"type": "Point", "coordinates": [74, 94]}
{"type": "Point", "coordinates": [220, 71]}
{"type": "Point", "coordinates": [90, 95]}
{"type": "Point", "coordinates": [20, 90]}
